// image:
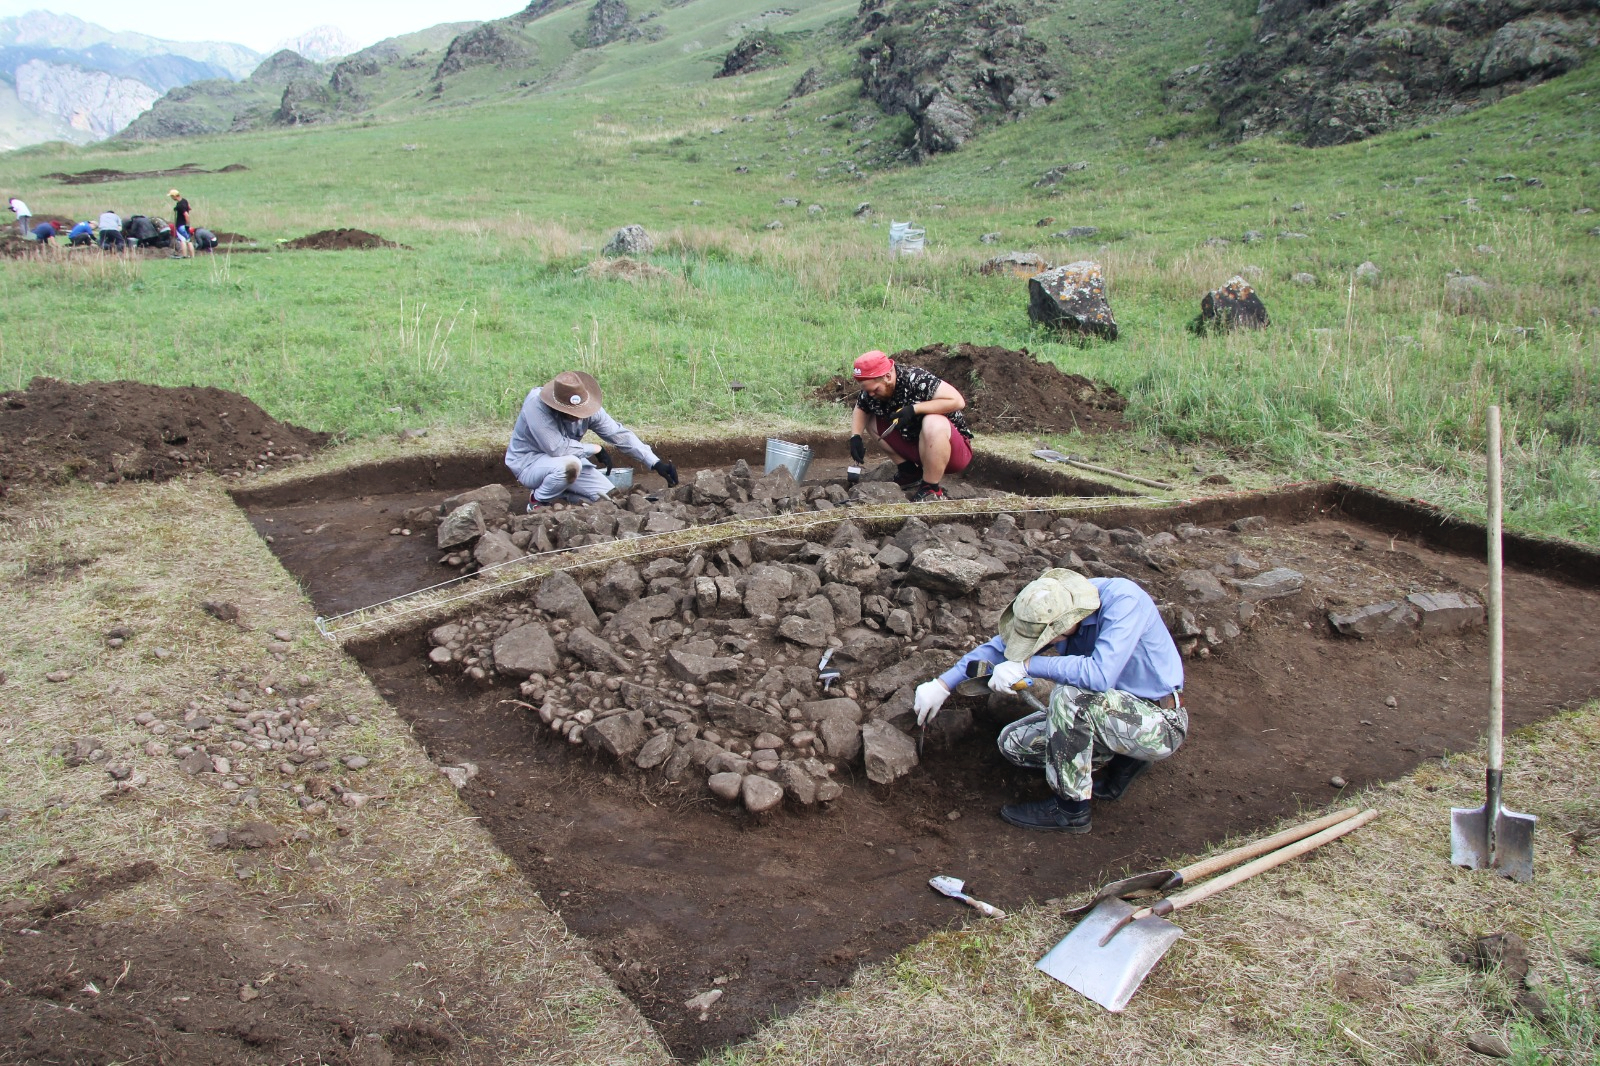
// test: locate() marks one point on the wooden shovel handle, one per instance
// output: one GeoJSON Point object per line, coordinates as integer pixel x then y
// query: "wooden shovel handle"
{"type": "Point", "coordinates": [1261, 865]}
{"type": "Point", "coordinates": [1217, 863]}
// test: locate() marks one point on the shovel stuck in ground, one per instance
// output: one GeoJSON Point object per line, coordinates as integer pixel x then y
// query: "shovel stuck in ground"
{"type": "Point", "coordinates": [1108, 954]}
{"type": "Point", "coordinates": [1491, 837]}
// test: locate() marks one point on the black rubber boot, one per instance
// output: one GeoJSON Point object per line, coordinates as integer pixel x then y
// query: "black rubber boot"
{"type": "Point", "coordinates": [1053, 815]}
{"type": "Point", "coordinates": [1118, 774]}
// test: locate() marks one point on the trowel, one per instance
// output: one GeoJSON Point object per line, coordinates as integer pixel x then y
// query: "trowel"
{"type": "Point", "coordinates": [954, 887]}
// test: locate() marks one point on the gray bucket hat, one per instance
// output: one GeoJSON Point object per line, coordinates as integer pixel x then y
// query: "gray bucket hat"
{"type": "Point", "coordinates": [1047, 607]}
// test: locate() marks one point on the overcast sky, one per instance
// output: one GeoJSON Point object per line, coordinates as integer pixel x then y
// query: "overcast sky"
{"type": "Point", "coordinates": [262, 25]}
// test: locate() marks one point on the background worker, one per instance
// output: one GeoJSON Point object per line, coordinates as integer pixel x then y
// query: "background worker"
{"type": "Point", "coordinates": [930, 435]}
{"type": "Point", "coordinates": [182, 246]}
{"type": "Point", "coordinates": [81, 234]}
{"type": "Point", "coordinates": [111, 230]}
{"type": "Point", "coordinates": [1118, 676]}
{"type": "Point", "coordinates": [24, 216]}
{"type": "Point", "coordinates": [547, 452]}
{"type": "Point", "coordinates": [43, 232]}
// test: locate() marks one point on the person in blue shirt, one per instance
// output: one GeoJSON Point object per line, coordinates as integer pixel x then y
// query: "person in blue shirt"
{"type": "Point", "coordinates": [547, 452]}
{"type": "Point", "coordinates": [44, 232]}
{"type": "Point", "coordinates": [82, 233]}
{"type": "Point", "coordinates": [1118, 678]}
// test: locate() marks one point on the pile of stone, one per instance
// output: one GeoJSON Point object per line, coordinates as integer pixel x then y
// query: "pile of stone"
{"type": "Point", "coordinates": [713, 665]}
{"type": "Point", "coordinates": [233, 740]}
{"type": "Point", "coordinates": [487, 526]}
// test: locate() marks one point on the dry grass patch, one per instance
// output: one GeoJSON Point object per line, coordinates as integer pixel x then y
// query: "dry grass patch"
{"type": "Point", "coordinates": [399, 860]}
{"type": "Point", "coordinates": [1348, 956]}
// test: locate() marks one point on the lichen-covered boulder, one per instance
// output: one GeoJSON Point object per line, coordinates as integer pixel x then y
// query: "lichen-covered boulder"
{"type": "Point", "coordinates": [1234, 306]}
{"type": "Point", "coordinates": [1072, 298]}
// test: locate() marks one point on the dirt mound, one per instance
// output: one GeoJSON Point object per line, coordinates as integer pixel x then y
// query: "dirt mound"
{"type": "Point", "coordinates": [335, 240]}
{"type": "Point", "coordinates": [14, 245]}
{"type": "Point", "coordinates": [624, 269]}
{"type": "Point", "coordinates": [101, 175]}
{"type": "Point", "coordinates": [128, 431]}
{"type": "Point", "coordinates": [225, 237]}
{"type": "Point", "coordinates": [1007, 391]}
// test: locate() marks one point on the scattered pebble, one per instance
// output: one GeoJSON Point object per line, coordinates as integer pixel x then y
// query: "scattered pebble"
{"type": "Point", "coordinates": [58, 676]}
{"type": "Point", "coordinates": [1336, 781]}
{"type": "Point", "coordinates": [1391, 702]}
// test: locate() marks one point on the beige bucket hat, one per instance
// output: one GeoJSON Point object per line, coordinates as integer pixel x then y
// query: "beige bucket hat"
{"type": "Point", "coordinates": [1047, 607]}
{"type": "Point", "coordinates": [572, 392]}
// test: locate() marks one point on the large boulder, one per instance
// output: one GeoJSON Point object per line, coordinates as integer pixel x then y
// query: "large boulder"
{"type": "Point", "coordinates": [495, 548]}
{"type": "Point", "coordinates": [889, 753]}
{"type": "Point", "coordinates": [941, 571]}
{"type": "Point", "coordinates": [462, 525]}
{"type": "Point", "coordinates": [560, 597]}
{"type": "Point", "coordinates": [630, 240]}
{"type": "Point", "coordinates": [1234, 306]}
{"type": "Point", "coordinates": [619, 735]}
{"type": "Point", "coordinates": [1072, 298]}
{"type": "Point", "coordinates": [1373, 620]}
{"type": "Point", "coordinates": [524, 651]}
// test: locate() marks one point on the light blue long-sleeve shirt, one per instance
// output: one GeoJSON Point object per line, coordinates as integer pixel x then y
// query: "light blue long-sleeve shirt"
{"type": "Point", "coordinates": [540, 430]}
{"type": "Point", "coordinates": [1123, 645]}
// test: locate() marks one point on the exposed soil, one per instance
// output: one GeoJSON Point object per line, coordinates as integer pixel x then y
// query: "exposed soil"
{"type": "Point", "coordinates": [220, 985]}
{"type": "Point", "coordinates": [674, 891]}
{"type": "Point", "coordinates": [102, 175]}
{"type": "Point", "coordinates": [128, 431]}
{"type": "Point", "coordinates": [1007, 391]}
{"type": "Point", "coordinates": [338, 240]}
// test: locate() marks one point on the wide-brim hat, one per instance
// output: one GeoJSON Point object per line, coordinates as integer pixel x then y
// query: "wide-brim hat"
{"type": "Point", "coordinates": [1047, 607]}
{"type": "Point", "coordinates": [572, 392]}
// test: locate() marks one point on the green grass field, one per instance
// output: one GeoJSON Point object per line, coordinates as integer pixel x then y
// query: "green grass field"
{"type": "Point", "coordinates": [503, 205]}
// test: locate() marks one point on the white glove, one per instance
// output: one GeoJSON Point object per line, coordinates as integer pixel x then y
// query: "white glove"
{"type": "Point", "coordinates": [1006, 675]}
{"type": "Point", "coordinates": [930, 697]}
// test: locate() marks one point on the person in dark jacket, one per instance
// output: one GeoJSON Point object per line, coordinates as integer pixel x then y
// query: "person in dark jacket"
{"type": "Point", "coordinates": [182, 245]}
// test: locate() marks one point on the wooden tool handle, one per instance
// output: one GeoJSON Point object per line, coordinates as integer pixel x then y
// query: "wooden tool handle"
{"type": "Point", "coordinates": [1217, 863]}
{"type": "Point", "coordinates": [987, 909]}
{"type": "Point", "coordinates": [1261, 865]}
{"type": "Point", "coordinates": [1496, 614]}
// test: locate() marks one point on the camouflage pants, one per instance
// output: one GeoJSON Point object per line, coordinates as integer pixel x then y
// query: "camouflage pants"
{"type": "Point", "coordinates": [1083, 729]}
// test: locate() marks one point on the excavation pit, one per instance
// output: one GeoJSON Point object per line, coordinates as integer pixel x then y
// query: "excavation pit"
{"type": "Point", "coordinates": [679, 893]}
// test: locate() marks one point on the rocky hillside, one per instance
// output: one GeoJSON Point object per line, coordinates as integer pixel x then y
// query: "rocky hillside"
{"type": "Point", "coordinates": [1328, 73]}
{"type": "Point", "coordinates": [61, 77]}
{"type": "Point", "coordinates": [952, 66]}
{"type": "Point", "coordinates": [90, 101]}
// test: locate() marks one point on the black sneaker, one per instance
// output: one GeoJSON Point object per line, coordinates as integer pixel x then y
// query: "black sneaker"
{"type": "Point", "coordinates": [908, 474]}
{"type": "Point", "coordinates": [1053, 815]}
{"type": "Point", "coordinates": [927, 493]}
{"type": "Point", "coordinates": [1117, 775]}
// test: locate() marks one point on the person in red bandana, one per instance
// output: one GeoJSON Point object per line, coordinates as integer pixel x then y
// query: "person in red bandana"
{"type": "Point", "coordinates": [930, 435]}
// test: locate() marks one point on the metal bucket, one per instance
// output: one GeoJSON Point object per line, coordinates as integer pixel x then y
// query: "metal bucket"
{"type": "Point", "coordinates": [621, 477]}
{"type": "Point", "coordinates": [797, 457]}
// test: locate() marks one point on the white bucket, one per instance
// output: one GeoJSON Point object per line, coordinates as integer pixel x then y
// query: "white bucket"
{"type": "Point", "coordinates": [797, 457]}
{"type": "Point", "coordinates": [621, 477]}
{"type": "Point", "coordinates": [905, 238]}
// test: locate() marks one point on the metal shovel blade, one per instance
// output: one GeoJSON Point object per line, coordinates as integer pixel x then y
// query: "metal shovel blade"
{"type": "Point", "coordinates": [953, 887]}
{"type": "Point", "coordinates": [1109, 975]}
{"type": "Point", "coordinates": [1511, 854]}
{"type": "Point", "coordinates": [1153, 881]}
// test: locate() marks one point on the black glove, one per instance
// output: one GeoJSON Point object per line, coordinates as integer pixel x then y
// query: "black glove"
{"type": "Point", "coordinates": [603, 457]}
{"type": "Point", "coordinates": [907, 414]}
{"type": "Point", "coordinates": [858, 449]}
{"type": "Point", "coordinates": [665, 468]}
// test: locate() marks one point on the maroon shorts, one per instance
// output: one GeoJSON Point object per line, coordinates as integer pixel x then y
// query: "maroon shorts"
{"type": "Point", "coordinates": [960, 448]}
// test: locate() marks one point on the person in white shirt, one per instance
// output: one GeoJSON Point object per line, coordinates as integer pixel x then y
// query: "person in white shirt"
{"type": "Point", "coordinates": [111, 231]}
{"type": "Point", "coordinates": [24, 216]}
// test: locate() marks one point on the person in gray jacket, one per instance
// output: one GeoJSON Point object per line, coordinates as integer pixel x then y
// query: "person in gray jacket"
{"type": "Point", "coordinates": [547, 452]}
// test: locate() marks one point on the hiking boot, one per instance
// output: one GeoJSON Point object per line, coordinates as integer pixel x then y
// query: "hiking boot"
{"type": "Point", "coordinates": [1053, 815]}
{"type": "Point", "coordinates": [908, 474]}
{"type": "Point", "coordinates": [927, 493]}
{"type": "Point", "coordinates": [1117, 775]}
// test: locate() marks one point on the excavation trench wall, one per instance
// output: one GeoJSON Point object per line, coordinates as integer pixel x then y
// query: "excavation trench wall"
{"type": "Point", "coordinates": [678, 894]}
